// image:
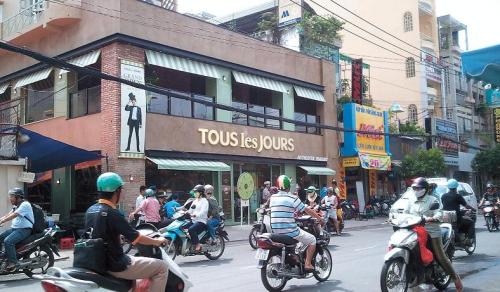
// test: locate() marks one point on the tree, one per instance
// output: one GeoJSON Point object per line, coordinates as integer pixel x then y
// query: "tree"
{"type": "Point", "coordinates": [269, 23]}
{"type": "Point", "coordinates": [487, 162]}
{"type": "Point", "coordinates": [425, 163]}
{"type": "Point", "coordinates": [323, 30]}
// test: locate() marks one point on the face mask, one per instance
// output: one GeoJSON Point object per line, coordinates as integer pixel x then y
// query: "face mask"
{"type": "Point", "coordinates": [419, 193]}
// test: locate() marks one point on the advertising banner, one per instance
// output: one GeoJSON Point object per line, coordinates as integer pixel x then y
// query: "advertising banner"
{"type": "Point", "coordinates": [133, 110]}
{"type": "Point", "coordinates": [350, 162]}
{"type": "Point", "coordinates": [342, 185]}
{"type": "Point", "coordinates": [370, 120]}
{"type": "Point", "coordinates": [357, 81]}
{"type": "Point", "coordinates": [496, 113]}
{"type": "Point", "coordinates": [289, 12]}
{"type": "Point", "coordinates": [446, 131]}
{"type": "Point", "coordinates": [492, 97]}
{"type": "Point", "coordinates": [372, 182]}
{"type": "Point", "coordinates": [376, 162]}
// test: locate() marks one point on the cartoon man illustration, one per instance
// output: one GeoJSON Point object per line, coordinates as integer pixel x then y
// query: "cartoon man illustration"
{"type": "Point", "coordinates": [134, 120]}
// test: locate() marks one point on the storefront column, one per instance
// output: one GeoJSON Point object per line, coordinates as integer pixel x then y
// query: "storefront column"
{"type": "Point", "coordinates": [61, 192]}
{"type": "Point", "coordinates": [291, 171]}
{"type": "Point", "coordinates": [64, 85]}
{"type": "Point", "coordinates": [285, 102]}
{"type": "Point", "coordinates": [222, 90]}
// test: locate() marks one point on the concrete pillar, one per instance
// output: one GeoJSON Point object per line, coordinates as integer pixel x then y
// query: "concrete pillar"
{"type": "Point", "coordinates": [61, 192]}
{"type": "Point", "coordinates": [288, 108]}
{"type": "Point", "coordinates": [62, 84]}
{"type": "Point", "coordinates": [222, 89]}
{"type": "Point", "coordinates": [291, 171]}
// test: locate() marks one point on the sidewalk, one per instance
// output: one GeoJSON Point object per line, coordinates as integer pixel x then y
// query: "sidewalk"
{"type": "Point", "coordinates": [240, 233]}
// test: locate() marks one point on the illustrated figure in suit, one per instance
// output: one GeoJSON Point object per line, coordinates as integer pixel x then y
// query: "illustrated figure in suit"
{"type": "Point", "coordinates": [134, 120]}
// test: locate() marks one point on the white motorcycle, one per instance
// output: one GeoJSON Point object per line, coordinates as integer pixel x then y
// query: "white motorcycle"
{"type": "Point", "coordinates": [262, 226]}
{"type": "Point", "coordinates": [80, 280]}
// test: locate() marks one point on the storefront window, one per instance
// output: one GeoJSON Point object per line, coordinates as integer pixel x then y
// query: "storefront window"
{"type": "Point", "coordinates": [270, 123]}
{"type": "Point", "coordinates": [253, 120]}
{"type": "Point", "coordinates": [180, 107]}
{"type": "Point", "coordinates": [39, 192]}
{"type": "Point", "coordinates": [239, 118]}
{"type": "Point", "coordinates": [40, 100]}
{"type": "Point", "coordinates": [86, 175]}
{"type": "Point", "coordinates": [87, 98]}
{"type": "Point", "coordinates": [202, 111]}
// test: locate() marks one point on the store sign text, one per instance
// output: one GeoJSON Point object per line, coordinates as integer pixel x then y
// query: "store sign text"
{"type": "Point", "coordinates": [242, 140]}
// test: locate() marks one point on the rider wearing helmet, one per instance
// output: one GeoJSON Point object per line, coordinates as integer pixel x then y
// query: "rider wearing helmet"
{"type": "Point", "coordinates": [490, 195]}
{"type": "Point", "coordinates": [452, 201]}
{"type": "Point", "coordinates": [331, 202]}
{"type": "Point", "coordinates": [213, 210]}
{"type": "Point", "coordinates": [108, 223]}
{"type": "Point", "coordinates": [283, 206]}
{"type": "Point", "coordinates": [150, 207]}
{"type": "Point", "coordinates": [424, 204]}
{"type": "Point", "coordinates": [22, 223]}
{"type": "Point", "coordinates": [199, 216]}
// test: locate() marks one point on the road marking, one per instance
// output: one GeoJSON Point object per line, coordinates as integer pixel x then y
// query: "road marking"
{"type": "Point", "coordinates": [365, 248]}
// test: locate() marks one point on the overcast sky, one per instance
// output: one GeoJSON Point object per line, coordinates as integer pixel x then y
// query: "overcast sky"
{"type": "Point", "coordinates": [480, 16]}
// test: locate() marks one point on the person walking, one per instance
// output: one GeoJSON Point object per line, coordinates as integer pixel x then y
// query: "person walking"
{"type": "Point", "coordinates": [150, 207]}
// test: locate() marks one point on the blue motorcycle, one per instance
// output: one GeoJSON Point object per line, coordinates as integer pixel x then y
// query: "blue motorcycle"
{"type": "Point", "coordinates": [179, 242]}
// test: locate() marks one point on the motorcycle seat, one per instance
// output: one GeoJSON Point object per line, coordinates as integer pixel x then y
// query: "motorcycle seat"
{"type": "Point", "coordinates": [29, 239]}
{"type": "Point", "coordinates": [285, 239]}
{"type": "Point", "coordinates": [104, 281]}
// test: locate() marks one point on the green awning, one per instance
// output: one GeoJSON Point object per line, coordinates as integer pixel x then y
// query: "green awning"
{"type": "Point", "coordinates": [84, 61]}
{"type": "Point", "coordinates": [316, 170]}
{"type": "Point", "coordinates": [182, 64]}
{"type": "Point", "coordinates": [33, 77]}
{"type": "Point", "coordinates": [180, 164]}
{"type": "Point", "coordinates": [257, 81]}
{"type": "Point", "coordinates": [309, 93]}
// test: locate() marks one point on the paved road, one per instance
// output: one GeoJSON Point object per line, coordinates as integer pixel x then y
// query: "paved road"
{"type": "Point", "coordinates": [357, 258]}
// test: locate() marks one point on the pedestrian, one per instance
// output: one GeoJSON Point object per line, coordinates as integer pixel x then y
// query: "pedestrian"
{"type": "Point", "coordinates": [139, 217]}
{"type": "Point", "coordinates": [266, 194]}
{"type": "Point", "coordinates": [150, 207]}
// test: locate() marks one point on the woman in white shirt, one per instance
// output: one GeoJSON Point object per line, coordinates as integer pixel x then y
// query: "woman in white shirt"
{"type": "Point", "coordinates": [199, 216]}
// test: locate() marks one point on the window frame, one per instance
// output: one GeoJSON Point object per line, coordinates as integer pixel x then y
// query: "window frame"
{"type": "Point", "coordinates": [410, 67]}
{"type": "Point", "coordinates": [407, 21]}
{"type": "Point", "coordinates": [413, 113]}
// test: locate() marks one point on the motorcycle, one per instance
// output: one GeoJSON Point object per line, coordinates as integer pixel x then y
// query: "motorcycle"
{"type": "Point", "coordinates": [80, 280]}
{"type": "Point", "coordinates": [180, 243]}
{"type": "Point", "coordinates": [35, 254]}
{"type": "Point", "coordinates": [330, 225]}
{"type": "Point", "coordinates": [282, 258]}
{"type": "Point", "coordinates": [263, 225]}
{"type": "Point", "coordinates": [403, 267]}
{"type": "Point", "coordinates": [463, 241]}
{"type": "Point", "coordinates": [490, 216]}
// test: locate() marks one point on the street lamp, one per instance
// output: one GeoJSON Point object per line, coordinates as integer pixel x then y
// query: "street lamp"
{"type": "Point", "coordinates": [396, 108]}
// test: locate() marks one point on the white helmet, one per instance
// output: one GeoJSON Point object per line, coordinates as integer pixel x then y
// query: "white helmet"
{"type": "Point", "coordinates": [209, 189]}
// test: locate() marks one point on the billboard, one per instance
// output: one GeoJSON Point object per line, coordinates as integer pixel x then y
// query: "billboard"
{"type": "Point", "coordinates": [357, 81]}
{"type": "Point", "coordinates": [289, 13]}
{"type": "Point", "coordinates": [445, 133]}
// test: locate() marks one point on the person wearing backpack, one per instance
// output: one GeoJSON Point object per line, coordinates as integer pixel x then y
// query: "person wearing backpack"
{"type": "Point", "coordinates": [22, 223]}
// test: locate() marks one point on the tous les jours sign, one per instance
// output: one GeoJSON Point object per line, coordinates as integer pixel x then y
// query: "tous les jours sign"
{"type": "Point", "coordinates": [242, 140]}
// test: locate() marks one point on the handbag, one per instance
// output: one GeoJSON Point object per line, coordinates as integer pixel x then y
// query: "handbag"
{"type": "Point", "coordinates": [89, 252]}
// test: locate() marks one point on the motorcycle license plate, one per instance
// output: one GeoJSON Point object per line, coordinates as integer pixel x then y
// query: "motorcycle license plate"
{"type": "Point", "coordinates": [262, 254]}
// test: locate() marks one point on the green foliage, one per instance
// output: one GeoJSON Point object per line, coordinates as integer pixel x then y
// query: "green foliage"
{"type": "Point", "coordinates": [425, 163]}
{"type": "Point", "coordinates": [488, 162]}
{"type": "Point", "coordinates": [269, 22]}
{"type": "Point", "coordinates": [324, 30]}
{"type": "Point", "coordinates": [411, 128]}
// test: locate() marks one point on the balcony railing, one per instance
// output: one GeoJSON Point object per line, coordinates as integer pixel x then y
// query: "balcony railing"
{"type": "Point", "coordinates": [425, 6]}
{"type": "Point", "coordinates": [248, 120]}
{"type": "Point", "coordinates": [26, 17]}
{"type": "Point", "coordinates": [301, 117]}
{"type": "Point", "coordinates": [175, 106]}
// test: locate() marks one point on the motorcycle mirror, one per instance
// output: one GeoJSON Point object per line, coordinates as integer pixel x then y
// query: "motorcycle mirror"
{"type": "Point", "coordinates": [434, 206]}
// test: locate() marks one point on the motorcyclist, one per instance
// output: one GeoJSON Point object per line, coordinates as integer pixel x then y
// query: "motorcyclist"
{"type": "Point", "coordinates": [420, 205]}
{"type": "Point", "coordinates": [331, 202]}
{"type": "Point", "coordinates": [109, 186]}
{"type": "Point", "coordinates": [213, 210]}
{"type": "Point", "coordinates": [199, 216]}
{"type": "Point", "coordinates": [452, 201]}
{"type": "Point", "coordinates": [313, 199]}
{"type": "Point", "coordinates": [283, 206]}
{"type": "Point", "coordinates": [492, 196]}
{"type": "Point", "coordinates": [22, 223]}
{"type": "Point", "coordinates": [150, 207]}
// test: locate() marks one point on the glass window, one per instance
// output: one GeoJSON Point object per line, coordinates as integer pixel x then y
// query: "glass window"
{"type": "Point", "coordinates": [85, 102]}
{"type": "Point", "coordinates": [256, 121]}
{"type": "Point", "coordinates": [180, 107]}
{"type": "Point", "coordinates": [412, 114]}
{"type": "Point", "coordinates": [202, 111]}
{"type": "Point", "coordinates": [312, 119]}
{"type": "Point", "coordinates": [270, 123]}
{"type": "Point", "coordinates": [408, 21]}
{"type": "Point", "coordinates": [410, 67]}
{"type": "Point", "coordinates": [86, 174]}
{"type": "Point", "coordinates": [301, 118]}
{"type": "Point", "coordinates": [239, 118]}
{"type": "Point", "coordinates": [39, 192]}
{"type": "Point", "coordinates": [40, 100]}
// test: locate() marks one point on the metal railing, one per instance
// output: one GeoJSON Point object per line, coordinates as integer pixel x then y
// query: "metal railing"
{"type": "Point", "coordinates": [26, 17]}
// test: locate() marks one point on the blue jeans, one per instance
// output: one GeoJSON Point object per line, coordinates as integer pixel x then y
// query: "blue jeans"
{"type": "Point", "coordinates": [11, 237]}
{"type": "Point", "coordinates": [195, 230]}
{"type": "Point", "coordinates": [212, 224]}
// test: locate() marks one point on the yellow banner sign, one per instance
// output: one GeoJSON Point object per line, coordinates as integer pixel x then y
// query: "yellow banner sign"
{"type": "Point", "coordinates": [372, 181]}
{"type": "Point", "coordinates": [350, 162]}
{"type": "Point", "coordinates": [371, 120]}
{"type": "Point", "coordinates": [373, 161]}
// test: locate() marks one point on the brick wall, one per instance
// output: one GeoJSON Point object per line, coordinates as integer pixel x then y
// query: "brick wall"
{"type": "Point", "coordinates": [110, 120]}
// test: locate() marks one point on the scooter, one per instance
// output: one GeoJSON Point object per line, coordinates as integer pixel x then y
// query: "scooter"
{"type": "Point", "coordinates": [403, 267]}
{"type": "Point", "coordinates": [262, 226]}
{"type": "Point", "coordinates": [179, 242]}
{"type": "Point", "coordinates": [464, 241]}
{"type": "Point", "coordinates": [490, 216]}
{"type": "Point", "coordinates": [82, 280]}
{"type": "Point", "coordinates": [35, 254]}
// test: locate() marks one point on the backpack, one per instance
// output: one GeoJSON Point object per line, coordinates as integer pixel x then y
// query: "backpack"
{"type": "Point", "coordinates": [40, 223]}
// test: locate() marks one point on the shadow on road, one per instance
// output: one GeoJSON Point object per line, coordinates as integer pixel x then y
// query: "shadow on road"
{"type": "Point", "coordinates": [319, 287]}
{"type": "Point", "coordinates": [206, 263]}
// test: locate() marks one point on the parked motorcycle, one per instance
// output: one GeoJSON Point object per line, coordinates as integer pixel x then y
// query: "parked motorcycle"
{"type": "Point", "coordinates": [489, 216]}
{"type": "Point", "coordinates": [403, 267]}
{"type": "Point", "coordinates": [35, 254]}
{"type": "Point", "coordinates": [80, 280]}
{"type": "Point", "coordinates": [282, 258]}
{"type": "Point", "coordinates": [262, 226]}
{"type": "Point", "coordinates": [179, 242]}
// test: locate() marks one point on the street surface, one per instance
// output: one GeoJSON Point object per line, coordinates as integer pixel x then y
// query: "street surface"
{"type": "Point", "coordinates": [357, 261]}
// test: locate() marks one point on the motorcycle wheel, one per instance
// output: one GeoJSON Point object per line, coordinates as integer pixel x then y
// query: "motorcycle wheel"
{"type": "Point", "coordinates": [171, 249]}
{"type": "Point", "coordinates": [322, 265]}
{"type": "Point", "coordinates": [268, 275]}
{"type": "Point", "coordinates": [391, 278]}
{"type": "Point", "coordinates": [216, 255]}
{"type": "Point", "coordinates": [472, 247]}
{"type": "Point", "coordinates": [489, 223]}
{"type": "Point", "coordinates": [443, 281]}
{"type": "Point", "coordinates": [44, 252]}
{"type": "Point", "coordinates": [252, 237]}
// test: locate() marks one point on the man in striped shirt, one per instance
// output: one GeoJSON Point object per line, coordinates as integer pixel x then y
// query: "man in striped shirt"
{"type": "Point", "coordinates": [283, 206]}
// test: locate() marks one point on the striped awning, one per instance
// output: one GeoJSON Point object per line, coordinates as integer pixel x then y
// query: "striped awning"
{"type": "Point", "coordinates": [33, 77]}
{"type": "Point", "coordinates": [315, 170]}
{"type": "Point", "coordinates": [84, 61]}
{"type": "Point", "coordinates": [309, 93]}
{"type": "Point", "coordinates": [182, 64]}
{"type": "Point", "coordinates": [3, 87]}
{"type": "Point", "coordinates": [180, 164]}
{"type": "Point", "coordinates": [257, 81]}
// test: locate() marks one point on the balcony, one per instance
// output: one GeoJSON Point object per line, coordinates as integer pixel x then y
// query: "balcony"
{"type": "Point", "coordinates": [425, 6]}
{"type": "Point", "coordinates": [37, 20]}
{"type": "Point", "coordinates": [431, 98]}
{"type": "Point", "coordinates": [427, 42]}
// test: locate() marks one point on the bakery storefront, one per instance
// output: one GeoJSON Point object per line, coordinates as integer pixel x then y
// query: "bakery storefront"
{"type": "Point", "coordinates": [184, 152]}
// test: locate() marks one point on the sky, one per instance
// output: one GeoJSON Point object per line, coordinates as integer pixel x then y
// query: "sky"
{"type": "Point", "coordinates": [480, 16]}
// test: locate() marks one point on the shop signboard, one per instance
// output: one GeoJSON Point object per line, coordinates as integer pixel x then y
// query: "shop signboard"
{"type": "Point", "coordinates": [446, 133]}
{"type": "Point", "coordinates": [492, 97]}
{"type": "Point", "coordinates": [350, 162]}
{"type": "Point", "coordinates": [290, 12]}
{"type": "Point", "coordinates": [375, 162]}
{"type": "Point", "coordinates": [133, 111]}
{"type": "Point", "coordinates": [497, 124]}
{"type": "Point", "coordinates": [342, 185]}
{"type": "Point", "coordinates": [357, 81]}
{"type": "Point", "coordinates": [372, 182]}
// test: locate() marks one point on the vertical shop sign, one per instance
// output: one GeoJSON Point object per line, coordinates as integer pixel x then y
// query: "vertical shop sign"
{"type": "Point", "coordinates": [372, 177]}
{"type": "Point", "coordinates": [342, 185]}
{"type": "Point", "coordinates": [357, 81]}
{"type": "Point", "coordinates": [133, 109]}
{"type": "Point", "coordinates": [497, 124]}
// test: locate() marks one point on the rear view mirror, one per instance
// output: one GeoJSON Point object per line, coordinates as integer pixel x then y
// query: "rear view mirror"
{"type": "Point", "coordinates": [435, 206]}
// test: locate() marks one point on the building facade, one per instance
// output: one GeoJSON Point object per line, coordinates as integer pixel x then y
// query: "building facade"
{"type": "Point", "coordinates": [173, 137]}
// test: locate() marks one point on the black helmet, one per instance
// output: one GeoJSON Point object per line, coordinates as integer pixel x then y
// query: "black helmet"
{"type": "Point", "coordinates": [490, 185]}
{"type": "Point", "coordinates": [16, 192]}
{"type": "Point", "coordinates": [420, 182]}
{"type": "Point", "coordinates": [199, 188]}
